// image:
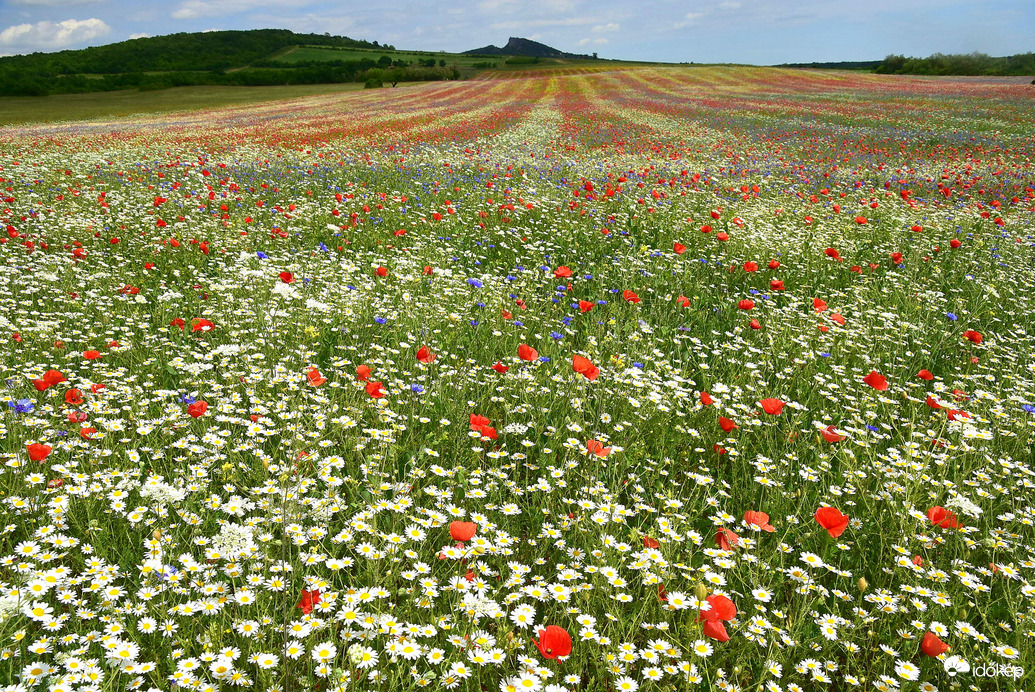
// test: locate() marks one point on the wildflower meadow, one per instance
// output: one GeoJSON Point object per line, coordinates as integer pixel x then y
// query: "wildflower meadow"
{"type": "Point", "coordinates": [703, 378]}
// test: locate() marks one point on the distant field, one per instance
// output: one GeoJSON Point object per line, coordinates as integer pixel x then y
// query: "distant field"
{"type": "Point", "coordinates": [29, 109]}
{"type": "Point", "coordinates": [307, 53]}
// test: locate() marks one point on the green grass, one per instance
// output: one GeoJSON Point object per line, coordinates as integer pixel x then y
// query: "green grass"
{"type": "Point", "coordinates": [307, 53]}
{"type": "Point", "coordinates": [110, 104]}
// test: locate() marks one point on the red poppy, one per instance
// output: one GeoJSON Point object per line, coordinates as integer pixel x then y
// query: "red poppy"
{"type": "Point", "coordinates": [755, 324]}
{"type": "Point", "coordinates": [839, 318]}
{"type": "Point", "coordinates": [38, 452]}
{"type": "Point", "coordinates": [562, 272]}
{"type": "Point", "coordinates": [726, 424]}
{"type": "Point", "coordinates": [832, 253]}
{"type": "Point", "coordinates": [73, 397]}
{"type": "Point", "coordinates": [723, 236]}
{"type": "Point", "coordinates": [831, 435]}
{"type": "Point", "coordinates": [424, 355]}
{"type": "Point", "coordinates": [759, 519]}
{"type": "Point", "coordinates": [721, 609]}
{"type": "Point", "coordinates": [773, 264]}
{"type": "Point", "coordinates": [96, 387]}
{"type": "Point", "coordinates": [197, 409]}
{"type": "Point", "coordinates": [428, 271]}
{"type": "Point", "coordinates": [40, 385]}
{"type": "Point", "coordinates": [943, 518]}
{"type": "Point", "coordinates": [925, 375]}
{"type": "Point", "coordinates": [315, 378]}
{"type": "Point", "coordinates": [178, 322]}
{"type": "Point", "coordinates": [85, 433]}
{"type": "Point", "coordinates": [583, 365]}
{"type": "Point", "coordinates": [489, 432]}
{"type": "Point", "coordinates": [831, 519]}
{"type": "Point", "coordinates": [726, 539]}
{"type": "Point", "coordinates": [287, 277]}
{"type": "Point", "coordinates": [776, 285]}
{"type": "Point", "coordinates": [201, 325]}
{"type": "Point", "coordinates": [933, 403]}
{"type": "Point", "coordinates": [478, 422]}
{"type": "Point", "coordinates": [597, 448]}
{"type": "Point", "coordinates": [876, 380]}
{"type": "Point", "coordinates": [932, 645]}
{"type": "Point", "coordinates": [650, 543]}
{"type": "Point", "coordinates": [363, 373]}
{"type": "Point", "coordinates": [553, 642]}
{"type": "Point", "coordinates": [308, 600]}
{"type": "Point", "coordinates": [819, 305]}
{"type": "Point", "coordinates": [91, 355]}
{"type": "Point", "coordinates": [750, 266]}
{"type": "Point", "coordinates": [526, 352]}
{"type": "Point", "coordinates": [683, 302]}
{"type": "Point", "coordinates": [52, 377]}
{"type": "Point", "coordinates": [706, 399]}
{"type": "Point", "coordinates": [746, 304]}
{"type": "Point", "coordinates": [585, 305]}
{"type": "Point", "coordinates": [374, 389]}
{"type": "Point", "coordinates": [630, 297]}
{"type": "Point", "coordinates": [955, 243]}
{"type": "Point", "coordinates": [381, 271]}
{"type": "Point", "coordinates": [500, 367]}
{"type": "Point", "coordinates": [462, 531]}
{"type": "Point", "coordinates": [973, 336]}
{"type": "Point", "coordinates": [861, 220]}
{"type": "Point", "coordinates": [774, 407]}
{"type": "Point", "coordinates": [678, 248]}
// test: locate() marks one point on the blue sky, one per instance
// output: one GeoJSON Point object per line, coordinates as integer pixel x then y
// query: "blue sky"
{"type": "Point", "coordinates": [759, 32]}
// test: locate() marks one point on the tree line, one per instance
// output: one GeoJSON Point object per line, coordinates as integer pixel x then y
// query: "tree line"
{"type": "Point", "coordinates": [977, 64]}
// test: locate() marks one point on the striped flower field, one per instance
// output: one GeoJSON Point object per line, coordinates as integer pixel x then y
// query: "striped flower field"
{"type": "Point", "coordinates": [635, 379]}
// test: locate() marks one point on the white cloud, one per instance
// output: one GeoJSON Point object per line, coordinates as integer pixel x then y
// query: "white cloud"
{"type": "Point", "coordinates": [524, 24]}
{"type": "Point", "coordinates": [48, 35]}
{"type": "Point", "coordinates": [195, 9]}
{"type": "Point", "coordinates": [689, 20]}
{"type": "Point", "coordinates": [729, 5]}
{"type": "Point", "coordinates": [53, 3]}
{"type": "Point", "coordinates": [601, 28]}
{"type": "Point", "coordinates": [141, 35]}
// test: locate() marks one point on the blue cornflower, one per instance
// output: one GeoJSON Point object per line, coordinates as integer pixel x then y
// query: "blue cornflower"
{"type": "Point", "coordinates": [556, 335]}
{"type": "Point", "coordinates": [416, 388]}
{"type": "Point", "coordinates": [22, 405]}
{"type": "Point", "coordinates": [1028, 407]}
{"type": "Point", "coordinates": [474, 282]}
{"type": "Point", "coordinates": [951, 316]}
{"type": "Point", "coordinates": [518, 323]}
{"type": "Point", "coordinates": [261, 255]}
{"type": "Point", "coordinates": [544, 359]}
{"type": "Point", "coordinates": [638, 365]}
{"type": "Point", "coordinates": [187, 399]}
{"type": "Point", "coordinates": [380, 320]}
{"type": "Point", "coordinates": [474, 323]}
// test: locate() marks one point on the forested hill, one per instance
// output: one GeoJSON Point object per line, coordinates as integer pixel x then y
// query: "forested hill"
{"type": "Point", "coordinates": [214, 57]}
{"type": "Point", "coordinates": [210, 50]}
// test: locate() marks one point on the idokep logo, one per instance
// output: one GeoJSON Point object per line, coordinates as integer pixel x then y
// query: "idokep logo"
{"type": "Point", "coordinates": [955, 665]}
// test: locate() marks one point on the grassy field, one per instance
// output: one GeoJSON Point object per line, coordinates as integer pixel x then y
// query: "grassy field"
{"type": "Point", "coordinates": [114, 104]}
{"type": "Point", "coordinates": [656, 380]}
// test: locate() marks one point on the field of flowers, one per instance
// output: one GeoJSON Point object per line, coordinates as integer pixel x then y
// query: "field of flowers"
{"type": "Point", "coordinates": [643, 379]}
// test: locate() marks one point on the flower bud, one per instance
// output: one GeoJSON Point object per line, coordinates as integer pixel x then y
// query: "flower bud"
{"type": "Point", "coordinates": [862, 584]}
{"type": "Point", "coordinates": [701, 591]}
